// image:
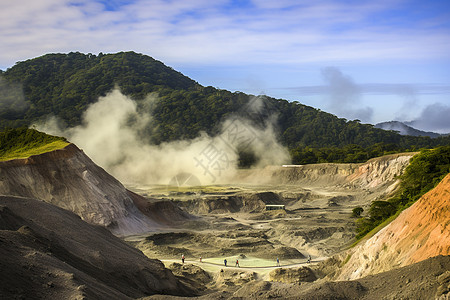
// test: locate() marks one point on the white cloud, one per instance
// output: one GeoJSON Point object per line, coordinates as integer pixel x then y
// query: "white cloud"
{"type": "Point", "coordinates": [216, 32]}
{"type": "Point", "coordinates": [219, 34]}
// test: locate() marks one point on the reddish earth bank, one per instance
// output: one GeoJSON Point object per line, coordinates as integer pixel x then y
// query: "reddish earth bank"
{"type": "Point", "coordinates": [419, 232]}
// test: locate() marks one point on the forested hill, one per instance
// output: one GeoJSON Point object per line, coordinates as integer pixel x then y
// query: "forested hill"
{"type": "Point", "coordinates": [65, 84]}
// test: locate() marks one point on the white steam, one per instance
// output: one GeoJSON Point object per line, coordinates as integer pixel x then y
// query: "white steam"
{"type": "Point", "coordinates": [435, 117]}
{"type": "Point", "coordinates": [11, 96]}
{"type": "Point", "coordinates": [113, 142]}
{"type": "Point", "coordinates": [345, 95]}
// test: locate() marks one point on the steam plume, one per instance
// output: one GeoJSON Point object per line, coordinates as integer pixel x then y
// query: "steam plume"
{"type": "Point", "coordinates": [434, 117]}
{"type": "Point", "coordinates": [345, 95]}
{"type": "Point", "coordinates": [11, 96]}
{"type": "Point", "coordinates": [113, 142]}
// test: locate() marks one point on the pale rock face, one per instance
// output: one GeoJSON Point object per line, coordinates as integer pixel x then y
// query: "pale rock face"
{"type": "Point", "coordinates": [420, 232]}
{"type": "Point", "coordinates": [377, 173]}
{"type": "Point", "coordinates": [69, 179]}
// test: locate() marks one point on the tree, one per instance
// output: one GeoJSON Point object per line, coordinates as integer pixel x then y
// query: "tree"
{"type": "Point", "coordinates": [357, 211]}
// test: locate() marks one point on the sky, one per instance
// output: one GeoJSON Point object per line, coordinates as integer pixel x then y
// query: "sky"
{"type": "Point", "coordinates": [374, 61]}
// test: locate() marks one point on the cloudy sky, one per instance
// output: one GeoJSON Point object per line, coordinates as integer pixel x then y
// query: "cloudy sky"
{"type": "Point", "coordinates": [369, 60]}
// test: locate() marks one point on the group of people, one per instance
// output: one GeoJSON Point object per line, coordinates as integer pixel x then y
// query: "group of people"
{"type": "Point", "coordinates": [183, 258]}
{"type": "Point", "coordinates": [236, 265]}
{"type": "Point", "coordinates": [224, 261]}
{"type": "Point", "coordinates": [237, 261]}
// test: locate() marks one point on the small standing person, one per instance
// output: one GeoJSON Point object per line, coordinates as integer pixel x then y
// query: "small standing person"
{"type": "Point", "coordinates": [200, 259]}
{"type": "Point", "coordinates": [225, 262]}
{"type": "Point", "coordinates": [309, 258]}
{"type": "Point", "coordinates": [182, 258]}
{"type": "Point", "coordinates": [237, 263]}
{"type": "Point", "coordinates": [278, 262]}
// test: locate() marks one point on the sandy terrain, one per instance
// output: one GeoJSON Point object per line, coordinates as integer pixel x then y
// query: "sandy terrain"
{"type": "Point", "coordinates": [49, 252]}
{"type": "Point", "coordinates": [231, 221]}
{"type": "Point", "coordinates": [428, 279]}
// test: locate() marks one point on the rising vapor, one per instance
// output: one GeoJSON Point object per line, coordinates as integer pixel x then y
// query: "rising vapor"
{"type": "Point", "coordinates": [12, 98]}
{"type": "Point", "coordinates": [344, 96]}
{"type": "Point", "coordinates": [434, 117]}
{"type": "Point", "coordinates": [112, 141]}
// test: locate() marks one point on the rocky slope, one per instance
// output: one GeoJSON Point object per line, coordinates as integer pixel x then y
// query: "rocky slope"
{"type": "Point", "coordinates": [69, 179]}
{"type": "Point", "coordinates": [428, 279]}
{"type": "Point", "coordinates": [419, 232]}
{"type": "Point", "coordinates": [378, 173]}
{"type": "Point", "coordinates": [50, 253]}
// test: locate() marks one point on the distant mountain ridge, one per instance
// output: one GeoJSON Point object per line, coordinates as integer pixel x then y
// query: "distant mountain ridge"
{"type": "Point", "coordinates": [404, 129]}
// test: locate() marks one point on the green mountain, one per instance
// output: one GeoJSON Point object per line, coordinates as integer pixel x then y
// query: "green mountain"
{"type": "Point", "coordinates": [65, 84]}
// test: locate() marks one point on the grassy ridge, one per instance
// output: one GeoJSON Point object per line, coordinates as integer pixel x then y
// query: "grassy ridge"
{"type": "Point", "coordinates": [24, 142]}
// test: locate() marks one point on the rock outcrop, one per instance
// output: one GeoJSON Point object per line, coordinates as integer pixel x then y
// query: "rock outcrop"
{"type": "Point", "coordinates": [292, 275]}
{"type": "Point", "coordinates": [239, 202]}
{"type": "Point", "coordinates": [377, 173]}
{"type": "Point", "coordinates": [420, 232]}
{"type": "Point", "coordinates": [70, 179]}
{"type": "Point", "coordinates": [50, 253]}
{"type": "Point", "coordinates": [380, 172]}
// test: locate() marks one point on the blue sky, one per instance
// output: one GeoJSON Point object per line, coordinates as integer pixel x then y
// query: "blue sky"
{"type": "Point", "coordinates": [369, 60]}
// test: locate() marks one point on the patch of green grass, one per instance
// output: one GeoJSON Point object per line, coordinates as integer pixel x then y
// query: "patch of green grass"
{"type": "Point", "coordinates": [24, 142]}
{"type": "Point", "coordinates": [376, 229]}
{"type": "Point", "coordinates": [27, 151]}
{"type": "Point", "coordinates": [346, 260]}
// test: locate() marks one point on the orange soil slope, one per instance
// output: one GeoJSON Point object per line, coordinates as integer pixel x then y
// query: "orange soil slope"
{"type": "Point", "coordinates": [419, 232]}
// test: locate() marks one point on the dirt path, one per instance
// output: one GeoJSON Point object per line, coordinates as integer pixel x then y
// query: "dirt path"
{"type": "Point", "coordinates": [231, 265]}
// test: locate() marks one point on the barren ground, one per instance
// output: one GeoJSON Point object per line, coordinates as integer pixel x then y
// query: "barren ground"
{"type": "Point", "coordinates": [231, 222]}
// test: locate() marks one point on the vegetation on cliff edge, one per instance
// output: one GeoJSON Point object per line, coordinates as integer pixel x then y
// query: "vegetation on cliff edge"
{"type": "Point", "coordinates": [424, 172]}
{"type": "Point", "coordinates": [23, 142]}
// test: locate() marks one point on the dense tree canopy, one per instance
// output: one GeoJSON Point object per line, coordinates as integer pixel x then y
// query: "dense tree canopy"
{"type": "Point", "coordinates": [65, 84]}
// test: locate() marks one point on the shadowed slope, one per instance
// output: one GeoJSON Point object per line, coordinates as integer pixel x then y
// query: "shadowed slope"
{"type": "Point", "coordinates": [48, 252]}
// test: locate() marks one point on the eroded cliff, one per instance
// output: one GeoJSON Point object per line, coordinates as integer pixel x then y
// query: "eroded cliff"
{"type": "Point", "coordinates": [70, 179]}
{"type": "Point", "coordinates": [376, 174]}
